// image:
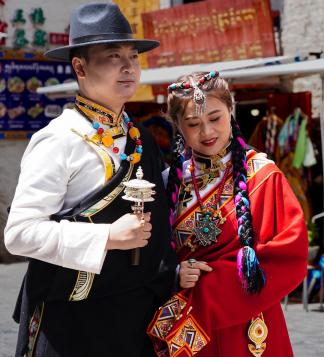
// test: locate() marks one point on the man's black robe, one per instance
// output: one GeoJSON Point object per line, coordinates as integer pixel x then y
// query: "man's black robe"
{"type": "Point", "coordinates": [112, 320]}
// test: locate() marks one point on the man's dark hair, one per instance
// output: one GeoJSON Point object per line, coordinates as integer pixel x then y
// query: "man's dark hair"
{"type": "Point", "coordinates": [80, 52]}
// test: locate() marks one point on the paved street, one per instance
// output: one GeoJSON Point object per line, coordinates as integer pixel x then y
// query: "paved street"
{"type": "Point", "coordinates": [306, 329]}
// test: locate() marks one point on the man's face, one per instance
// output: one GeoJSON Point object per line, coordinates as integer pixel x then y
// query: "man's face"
{"type": "Point", "coordinates": [111, 74]}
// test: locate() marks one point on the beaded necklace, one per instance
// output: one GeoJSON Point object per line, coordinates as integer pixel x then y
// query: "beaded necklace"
{"type": "Point", "coordinates": [206, 230]}
{"type": "Point", "coordinates": [99, 116]}
{"type": "Point", "coordinates": [210, 168]}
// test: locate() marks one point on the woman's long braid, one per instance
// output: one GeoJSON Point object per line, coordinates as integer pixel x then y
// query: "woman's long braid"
{"type": "Point", "coordinates": [250, 272]}
{"type": "Point", "coordinates": [175, 174]}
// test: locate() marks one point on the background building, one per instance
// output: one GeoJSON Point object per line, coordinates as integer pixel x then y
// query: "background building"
{"type": "Point", "coordinates": [290, 27]}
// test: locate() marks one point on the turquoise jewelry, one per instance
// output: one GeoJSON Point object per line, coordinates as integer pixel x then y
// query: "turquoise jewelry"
{"type": "Point", "coordinates": [199, 97]}
{"type": "Point", "coordinates": [187, 85]}
{"type": "Point", "coordinates": [206, 230]}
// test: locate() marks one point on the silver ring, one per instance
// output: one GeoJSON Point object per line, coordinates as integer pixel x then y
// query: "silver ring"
{"type": "Point", "coordinates": [191, 261]}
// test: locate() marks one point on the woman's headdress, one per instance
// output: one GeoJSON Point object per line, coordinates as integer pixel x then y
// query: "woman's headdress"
{"type": "Point", "coordinates": [199, 96]}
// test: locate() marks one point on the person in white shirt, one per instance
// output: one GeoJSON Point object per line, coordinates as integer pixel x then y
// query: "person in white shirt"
{"type": "Point", "coordinates": [81, 295]}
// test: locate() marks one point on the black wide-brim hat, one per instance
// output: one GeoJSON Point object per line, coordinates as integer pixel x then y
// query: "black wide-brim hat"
{"type": "Point", "coordinates": [99, 23]}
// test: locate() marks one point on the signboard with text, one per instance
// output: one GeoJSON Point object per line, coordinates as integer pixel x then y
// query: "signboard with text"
{"type": "Point", "coordinates": [210, 31]}
{"type": "Point", "coordinates": [21, 108]}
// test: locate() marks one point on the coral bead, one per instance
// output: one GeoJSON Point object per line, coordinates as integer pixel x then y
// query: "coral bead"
{"type": "Point", "coordinates": [115, 150]}
{"type": "Point", "coordinates": [134, 133]}
{"type": "Point", "coordinates": [100, 130]}
{"type": "Point", "coordinates": [135, 158]}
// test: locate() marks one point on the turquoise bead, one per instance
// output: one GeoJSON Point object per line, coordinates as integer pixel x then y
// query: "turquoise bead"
{"type": "Point", "coordinates": [206, 230]}
{"type": "Point", "coordinates": [96, 125]}
{"type": "Point", "coordinates": [212, 73]}
{"type": "Point", "coordinates": [139, 150]}
{"type": "Point", "coordinates": [123, 156]}
{"type": "Point", "coordinates": [126, 119]}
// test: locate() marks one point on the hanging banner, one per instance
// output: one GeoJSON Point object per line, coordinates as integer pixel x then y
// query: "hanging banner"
{"type": "Point", "coordinates": [21, 108]}
{"type": "Point", "coordinates": [210, 31]}
{"type": "Point", "coordinates": [133, 11]}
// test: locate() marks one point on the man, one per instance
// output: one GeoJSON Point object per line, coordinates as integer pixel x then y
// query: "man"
{"type": "Point", "coordinates": [81, 295]}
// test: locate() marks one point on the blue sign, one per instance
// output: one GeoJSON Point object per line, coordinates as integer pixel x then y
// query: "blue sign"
{"type": "Point", "coordinates": [21, 108]}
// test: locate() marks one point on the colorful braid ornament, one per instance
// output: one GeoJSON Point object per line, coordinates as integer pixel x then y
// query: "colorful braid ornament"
{"type": "Point", "coordinates": [249, 270]}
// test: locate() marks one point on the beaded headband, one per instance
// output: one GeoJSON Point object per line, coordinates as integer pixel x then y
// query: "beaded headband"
{"type": "Point", "coordinates": [199, 97]}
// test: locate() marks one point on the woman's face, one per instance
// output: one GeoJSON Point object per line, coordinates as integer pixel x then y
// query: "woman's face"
{"type": "Point", "coordinates": [210, 133]}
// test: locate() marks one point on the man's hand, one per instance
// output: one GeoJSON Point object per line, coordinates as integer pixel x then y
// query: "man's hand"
{"type": "Point", "coordinates": [129, 232]}
{"type": "Point", "coordinates": [190, 273]}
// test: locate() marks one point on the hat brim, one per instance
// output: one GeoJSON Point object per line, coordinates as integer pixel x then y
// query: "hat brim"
{"type": "Point", "coordinates": [63, 53]}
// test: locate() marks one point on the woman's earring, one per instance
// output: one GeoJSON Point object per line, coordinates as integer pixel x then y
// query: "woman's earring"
{"type": "Point", "coordinates": [179, 143]}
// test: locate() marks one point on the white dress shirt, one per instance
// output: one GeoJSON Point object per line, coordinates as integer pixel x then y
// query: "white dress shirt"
{"type": "Point", "coordinates": [58, 170]}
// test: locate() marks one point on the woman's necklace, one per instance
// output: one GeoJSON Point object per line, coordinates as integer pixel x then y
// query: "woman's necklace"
{"type": "Point", "coordinates": [206, 230]}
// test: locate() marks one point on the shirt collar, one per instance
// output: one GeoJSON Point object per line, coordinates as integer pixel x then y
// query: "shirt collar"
{"type": "Point", "coordinates": [212, 162]}
{"type": "Point", "coordinates": [97, 112]}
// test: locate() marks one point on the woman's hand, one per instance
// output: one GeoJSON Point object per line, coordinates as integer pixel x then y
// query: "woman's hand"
{"type": "Point", "coordinates": [190, 271]}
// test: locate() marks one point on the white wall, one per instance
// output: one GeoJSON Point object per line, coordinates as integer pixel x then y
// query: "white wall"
{"type": "Point", "coordinates": [303, 32]}
{"type": "Point", "coordinates": [56, 12]}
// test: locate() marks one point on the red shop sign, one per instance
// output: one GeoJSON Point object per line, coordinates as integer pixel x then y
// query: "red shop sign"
{"type": "Point", "coordinates": [210, 31]}
{"type": "Point", "coordinates": [56, 38]}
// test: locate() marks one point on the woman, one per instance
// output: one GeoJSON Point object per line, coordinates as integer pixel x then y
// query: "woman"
{"type": "Point", "coordinates": [239, 232]}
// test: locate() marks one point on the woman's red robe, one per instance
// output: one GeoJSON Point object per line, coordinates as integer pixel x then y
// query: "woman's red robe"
{"type": "Point", "coordinates": [212, 319]}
